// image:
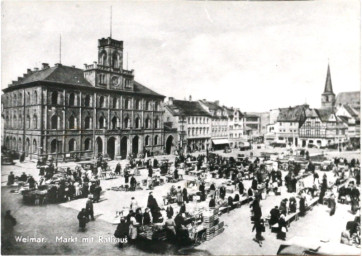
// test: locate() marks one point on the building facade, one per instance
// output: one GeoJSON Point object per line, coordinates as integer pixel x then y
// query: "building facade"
{"type": "Point", "coordinates": [64, 111]}
{"type": "Point", "coordinates": [192, 123]}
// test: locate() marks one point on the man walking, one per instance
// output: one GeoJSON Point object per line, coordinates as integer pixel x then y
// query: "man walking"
{"type": "Point", "coordinates": [89, 208]}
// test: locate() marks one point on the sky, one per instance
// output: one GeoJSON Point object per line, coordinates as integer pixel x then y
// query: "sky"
{"type": "Point", "coordinates": [252, 55]}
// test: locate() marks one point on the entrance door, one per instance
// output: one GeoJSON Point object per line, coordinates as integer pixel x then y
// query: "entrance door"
{"type": "Point", "coordinates": [27, 147]}
{"type": "Point", "coordinates": [135, 146]}
{"type": "Point", "coordinates": [111, 147]}
{"type": "Point", "coordinates": [99, 146]}
{"type": "Point", "coordinates": [124, 148]}
{"type": "Point", "coordinates": [169, 143]}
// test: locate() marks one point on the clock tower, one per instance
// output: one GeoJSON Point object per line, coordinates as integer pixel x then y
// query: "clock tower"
{"type": "Point", "coordinates": [108, 72]}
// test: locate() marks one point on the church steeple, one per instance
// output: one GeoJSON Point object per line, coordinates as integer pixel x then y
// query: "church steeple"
{"type": "Point", "coordinates": [328, 87]}
{"type": "Point", "coordinates": [328, 96]}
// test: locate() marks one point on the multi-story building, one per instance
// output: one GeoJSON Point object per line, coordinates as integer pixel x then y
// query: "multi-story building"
{"type": "Point", "coordinates": [352, 117]}
{"type": "Point", "coordinates": [63, 111]}
{"type": "Point", "coordinates": [219, 123]}
{"type": "Point", "coordinates": [192, 122]}
{"type": "Point", "coordinates": [322, 128]}
{"type": "Point", "coordinates": [237, 138]}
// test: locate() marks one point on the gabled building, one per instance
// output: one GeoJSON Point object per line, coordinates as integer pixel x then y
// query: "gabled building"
{"type": "Point", "coordinates": [352, 117]}
{"type": "Point", "coordinates": [322, 128]}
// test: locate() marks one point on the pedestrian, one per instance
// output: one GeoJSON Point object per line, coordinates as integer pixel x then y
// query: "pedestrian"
{"type": "Point", "coordinates": [133, 183]}
{"type": "Point", "coordinates": [259, 227]}
{"type": "Point", "coordinates": [134, 204]}
{"type": "Point", "coordinates": [332, 201]}
{"type": "Point", "coordinates": [83, 219]}
{"type": "Point", "coordinates": [169, 211]}
{"type": "Point", "coordinates": [147, 217]}
{"type": "Point", "coordinates": [184, 195]}
{"type": "Point", "coordinates": [9, 221]}
{"type": "Point", "coordinates": [117, 170]}
{"type": "Point", "coordinates": [133, 224]}
{"type": "Point", "coordinates": [282, 232]}
{"type": "Point", "coordinates": [122, 232]}
{"type": "Point", "coordinates": [89, 208]}
{"type": "Point", "coordinates": [11, 179]}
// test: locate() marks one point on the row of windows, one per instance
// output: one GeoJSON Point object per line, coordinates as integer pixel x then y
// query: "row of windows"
{"type": "Point", "coordinates": [290, 130]}
{"type": "Point", "coordinates": [198, 120]}
{"type": "Point", "coordinates": [72, 144]}
{"type": "Point", "coordinates": [197, 131]}
{"type": "Point", "coordinates": [102, 123]}
{"type": "Point", "coordinates": [102, 102]}
{"type": "Point", "coordinates": [236, 135]}
{"type": "Point", "coordinates": [17, 122]}
{"type": "Point", "coordinates": [17, 99]}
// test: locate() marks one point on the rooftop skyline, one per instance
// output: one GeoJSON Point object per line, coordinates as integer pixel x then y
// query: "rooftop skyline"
{"type": "Point", "coordinates": [240, 53]}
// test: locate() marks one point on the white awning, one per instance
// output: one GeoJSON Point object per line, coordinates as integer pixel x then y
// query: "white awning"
{"type": "Point", "coordinates": [220, 141]}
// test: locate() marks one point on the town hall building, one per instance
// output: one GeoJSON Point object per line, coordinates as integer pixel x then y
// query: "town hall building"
{"type": "Point", "coordinates": [65, 111]}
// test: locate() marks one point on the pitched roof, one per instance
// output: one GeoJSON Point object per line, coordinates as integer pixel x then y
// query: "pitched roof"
{"type": "Point", "coordinates": [187, 108]}
{"type": "Point", "coordinates": [58, 74]}
{"type": "Point", "coordinates": [328, 89]}
{"type": "Point", "coordinates": [353, 112]}
{"type": "Point", "coordinates": [69, 75]}
{"type": "Point", "coordinates": [352, 98]}
{"type": "Point", "coordinates": [292, 114]}
{"type": "Point", "coordinates": [325, 113]}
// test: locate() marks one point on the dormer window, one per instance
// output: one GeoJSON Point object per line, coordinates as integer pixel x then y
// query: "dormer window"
{"type": "Point", "coordinates": [128, 83]}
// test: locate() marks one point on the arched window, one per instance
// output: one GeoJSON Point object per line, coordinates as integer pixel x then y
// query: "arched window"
{"type": "Point", "coordinates": [54, 122]}
{"type": "Point", "coordinates": [87, 101]}
{"type": "Point", "coordinates": [28, 98]}
{"type": "Point", "coordinates": [103, 58]}
{"type": "Point", "coordinates": [87, 122]}
{"type": "Point", "coordinates": [20, 99]}
{"type": "Point", "coordinates": [138, 104]}
{"type": "Point", "coordinates": [72, 122]}
{"type": "Point", "coordinates": [114, 102]}
{"type": "Point", "coordinates": [137, 123]}
{"type": "Point", "coordinates": [87, 144]}
{"type": "Point", "coordinates": [20, 122]}
{"type": "Point", "coordinates": [101, 102]}
{"type": "Point", "coordinates": [116, 60]}
{"type": "Point", "coordinates": [54, 98]}
{"type": "Point", "coordinates": [127, 104]}
{"type": "Point", "coordinates": [35, 121]}
{"type": "Point", "coordinates": [27, 122]}
{"type": "Point", "coordinates": [102, 122]}
{"type": "Point", "coordinates": [35, 97]}
{"type": "Point", "coordinates": [148, 105]}
{"type": "Point", "coordinates": [157, 106]}
{"type": "Point", "coordinates": [15, 102]}
{"type": "Point", "coordinates": [156, 140]}
{"type": "Point", "coordinates": [126, 122]}
{"type": "Point", "coordinates": [35, 146]}
{"type": "Point", "coordinates": [148, 123]}
{"type": "Point", "coordinates": [114, 123]}
{"type": "Point", "coordinates": [147, 140]}
{"type": "Point", "coordinates": [53, 146]}
{"type": "Point", "coordinates": [15, 122]}
{"type": "Point", "coordinates": [72, 99]}
{"type": "Point", "coordinates": [72, 145]}
{"type": "Point", "coordinates": [157, 123]}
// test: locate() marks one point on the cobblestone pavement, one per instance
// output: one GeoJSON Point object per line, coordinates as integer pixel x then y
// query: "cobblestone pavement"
{"type": "Point", "coordinates": [54, 220]}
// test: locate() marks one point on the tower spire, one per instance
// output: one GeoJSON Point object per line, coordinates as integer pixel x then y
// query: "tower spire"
{"type": "Point", "coordinates": [328, 86]}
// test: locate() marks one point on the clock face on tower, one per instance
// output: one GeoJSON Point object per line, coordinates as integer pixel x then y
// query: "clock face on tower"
{"type": "Point", "coordinates": [115, 81]}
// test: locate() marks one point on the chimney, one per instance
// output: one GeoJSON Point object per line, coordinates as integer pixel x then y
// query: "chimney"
{"type": "Point", "coordinates": [58, 64]}
{"type": "Point", "coordinates": [28, 71]}
{"type": "Point", "coordinates": [36, 69]}
{"type": "Point", "coordinates": [170, 100]}
{"type": "Point", "coordinates": [45, 65]}
{"type": "Point", "coordinates": [73, 66]}
{"type": "Point", "coordinates": [190, 98]}
{"type": "Point", "coordinates": [217, 102]}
